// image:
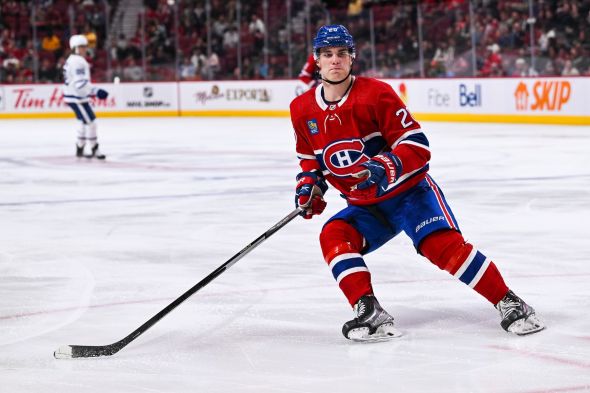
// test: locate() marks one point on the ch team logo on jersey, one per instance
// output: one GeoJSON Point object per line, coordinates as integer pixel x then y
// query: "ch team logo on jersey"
{"type": "Point", "coordinates": [313, 126]}
{"type": "Point", "coordinates": [339, 157]}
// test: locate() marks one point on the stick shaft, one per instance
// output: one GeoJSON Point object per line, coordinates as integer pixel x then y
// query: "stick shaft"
{"type": "Point", "coordinates": [106, 350]}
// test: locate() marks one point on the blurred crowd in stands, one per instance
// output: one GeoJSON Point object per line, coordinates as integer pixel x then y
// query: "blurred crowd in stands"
{"type": "Point", "coordinates": [171, 43]}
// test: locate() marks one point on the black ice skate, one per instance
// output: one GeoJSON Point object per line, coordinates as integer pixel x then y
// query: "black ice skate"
{"type": "Point", "coordinates": [79, 150]}
{"type": "Point", "coordinates": [517, 316]}
{"type": "Point", "coordinates": [95, 153]}
{"type": "Point", "coordinates": [372, 323]}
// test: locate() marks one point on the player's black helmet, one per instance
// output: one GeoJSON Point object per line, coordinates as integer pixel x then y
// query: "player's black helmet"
{"type": "Point", "coordinates": [331, 36]}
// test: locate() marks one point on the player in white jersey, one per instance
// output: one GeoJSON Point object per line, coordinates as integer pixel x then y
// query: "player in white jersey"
{"type": "Point", "coordinates": [77, 91]}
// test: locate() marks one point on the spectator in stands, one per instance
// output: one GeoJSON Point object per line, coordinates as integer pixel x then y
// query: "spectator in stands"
{"type": "Point", "coordinates": [522, 69]}
{"type": "Point", "coordinates": [92, 40]}
{"type": "Point", "coordinates": [231, 37]}
{"type": "Point", "coordinates": [122, 47]}
{"type": "Point", "coordinates": [460, 66]}
{"type": "Point", "coordinates": [258, 30]}
{"type": "Point", "coordinates": [159, 57]}
{"type": "Point", "coordinates": [545, 39]}
{"type": "Point", "coordinates": [213, 65]}
{"type": "Point", "coordinates": [220, 26]}
{"type": "Point", "coordinates": [493, 63]}
{"type": "Point", "coordinates": [549, 69]}
{"type": "Point", "coordinates": [48, 73]}
{"type": "Point", "coordinates": [443, 58]}
{"type": "Point", "coordinates": [132, 71]}
{"type": "Point", "coordinates": [52, 44]}
{"type": "Point", "coordinates": [562, 31]}
{"type": "Point", "coordinates": [187, 70]}
{"type": "Point", "coordinates": [569, 69]}
{"type": "Point", "coordinates": [11, 68]}
{"type": "Point", "coordinates": [10, 52]}
{"type": "Point", "coordinates": [199, 60]}
{"type": "Point", "coordinates": [580, 58]}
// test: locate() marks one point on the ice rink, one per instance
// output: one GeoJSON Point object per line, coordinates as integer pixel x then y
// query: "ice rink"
{"type": "Point", "coordinates": [90, 250]}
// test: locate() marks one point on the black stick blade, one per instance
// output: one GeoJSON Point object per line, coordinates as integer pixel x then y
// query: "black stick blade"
{"type": "Point", "coordinates": [85, 351]}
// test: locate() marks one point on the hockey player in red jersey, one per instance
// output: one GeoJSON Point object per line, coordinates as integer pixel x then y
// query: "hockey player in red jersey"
{"type": "Point", "coordinates": [308, 73]}
{"type": "Point", "coordinates": [356, 134]}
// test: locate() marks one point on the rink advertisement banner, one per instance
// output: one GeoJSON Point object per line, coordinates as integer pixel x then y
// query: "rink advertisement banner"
{"type": "Point", "coordinates": [245, 98]}
{"type": "Point", "coordinates": [553, 100]}
{"type": "Point", "coordinates": [131, 99]}
{"type": "Point", "coordinates": [525, 100]}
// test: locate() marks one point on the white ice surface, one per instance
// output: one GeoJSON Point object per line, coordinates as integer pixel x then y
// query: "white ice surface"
{"type": "Point", "coordinates": [90, 250]}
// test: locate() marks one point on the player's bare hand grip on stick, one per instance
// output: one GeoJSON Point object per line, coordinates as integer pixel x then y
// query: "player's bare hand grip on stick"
{"type": "Point", "coordinates": [87, 351]}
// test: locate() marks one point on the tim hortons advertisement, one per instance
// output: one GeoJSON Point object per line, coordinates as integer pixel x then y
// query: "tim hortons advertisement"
{"type": "Point", "coordinates": [127, 98]}
{"type": "Point", "coordinates": [42, 99]}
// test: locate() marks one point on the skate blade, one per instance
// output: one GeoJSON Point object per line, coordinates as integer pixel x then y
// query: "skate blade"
{"type": "Point", "coordinates": [384, 332]}
{"type": "Point", "coordinates": [530, 325]}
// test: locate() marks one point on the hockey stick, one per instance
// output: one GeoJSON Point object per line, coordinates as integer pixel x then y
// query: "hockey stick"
{"type": "Point", "coordinates": [87, 351]}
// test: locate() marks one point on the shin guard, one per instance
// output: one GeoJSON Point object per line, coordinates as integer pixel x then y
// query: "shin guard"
{"type": "Point", "coordinates": [341, 246]}
{"type": "Point", "coordinates": [449, 251]}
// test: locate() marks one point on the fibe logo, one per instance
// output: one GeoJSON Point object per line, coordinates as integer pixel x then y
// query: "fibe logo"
{"type": "Point", "coordinates": [436, 98]}
{"type": "Point", "coordinates": [469, 98]}
{"type": "Point", "coordinates": [546, 95]}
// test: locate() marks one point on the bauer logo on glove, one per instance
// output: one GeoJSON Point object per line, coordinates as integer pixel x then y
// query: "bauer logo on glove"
{"type": "Point", "coordinates": [382, 170]}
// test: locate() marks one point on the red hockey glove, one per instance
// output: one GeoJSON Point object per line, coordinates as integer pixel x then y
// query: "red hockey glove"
{"type": "Point", "coordinates": [381, 170]}
{"type": "Point", "coordinates": [309, 194]}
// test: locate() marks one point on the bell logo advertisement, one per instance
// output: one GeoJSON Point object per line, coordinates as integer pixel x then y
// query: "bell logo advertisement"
{"type": "Point", "coordinates": [470, 96]}
{"type": "Point", "coordinates": [542, 96]}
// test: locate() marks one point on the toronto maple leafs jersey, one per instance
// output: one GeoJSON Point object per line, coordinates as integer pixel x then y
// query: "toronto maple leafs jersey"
{"type": "Point", "coordinates": [368, 120]}
{"type": "Point", "coordinates": [77, 87]}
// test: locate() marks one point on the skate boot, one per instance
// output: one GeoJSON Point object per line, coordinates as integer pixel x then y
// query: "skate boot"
{"type": "Point", "coordinates": [79, 150]}
{"type": "Point", "coordinates": [95, 153]}
{"type": "Point", "coordinates": [372, 323]}
{"type": "Point", "coordinates": [517, 316]}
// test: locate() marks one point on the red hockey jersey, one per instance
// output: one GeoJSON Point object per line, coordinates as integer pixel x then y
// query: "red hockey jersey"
{"type": "Point", "coordinates": [308, 72]}
{"type": "Point", "coordinates": [368, 120]}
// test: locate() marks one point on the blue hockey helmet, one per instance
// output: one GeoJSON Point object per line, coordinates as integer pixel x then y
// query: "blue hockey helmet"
{"type": "Point", "coordinates": [330, 36]}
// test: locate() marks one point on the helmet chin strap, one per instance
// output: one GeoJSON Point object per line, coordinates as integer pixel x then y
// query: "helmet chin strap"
{"type": "Point", "coordinates": [337, 82]}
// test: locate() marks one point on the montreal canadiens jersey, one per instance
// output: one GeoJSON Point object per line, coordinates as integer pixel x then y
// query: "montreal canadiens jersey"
{"type": "Point", "coordinates": [308, 72]}
{"type": "Point", "coordinates": [370, 119]}
{"type": "Point", "coordinates": [77, 87]}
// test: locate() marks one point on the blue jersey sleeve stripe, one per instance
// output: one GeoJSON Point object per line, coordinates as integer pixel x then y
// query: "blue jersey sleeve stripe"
{"type": "Point", "coordinates": [425, 147]}
{"type": "Point", "coordinates": [305, 156]}
{"type": "Point", "coordinates": [418, 138]}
